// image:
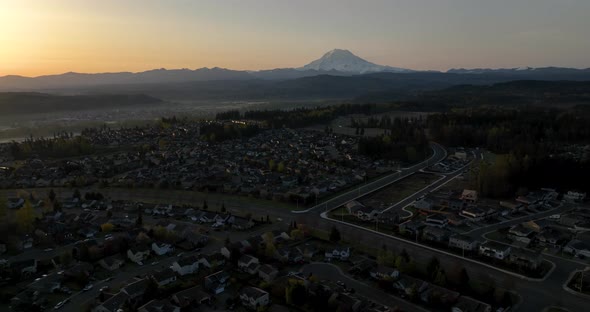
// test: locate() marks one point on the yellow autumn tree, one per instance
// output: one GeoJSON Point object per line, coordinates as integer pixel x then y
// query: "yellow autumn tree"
{"type": "Point", "coordinates": [3, 206]}
{"type": "Point", "coordinates": [25, 217]}
{"type": "Point", "coordinates": [107, 227]}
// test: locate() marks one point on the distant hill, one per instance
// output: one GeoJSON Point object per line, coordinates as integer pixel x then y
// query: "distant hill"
{"type": "Point", "coordinates": [336, 63]}
{"type": "Point", "coordinates": [12, 103]}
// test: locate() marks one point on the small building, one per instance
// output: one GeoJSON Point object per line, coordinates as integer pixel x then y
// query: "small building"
{"type": "Point", "coordinates": [113, 304]}
{"type": "Point", "coordinates": [164, 277]}
{"type": "Point", "coordinates": [267, 272]}
{"type": "Point", "coordinates": [254, 298]}
{"type": "Point", "coordinates": [112, 263]}
{"type": "Point", "coordinates": [248, 264]}
{"type": "Point", "coordinates": [186, 265]}
{"type": "Point", "coordinates": [577, 248]}
{"type": "Point", "coordinates": [435, 234]}
{"type": "Point", "coordinates": [468, 304]}
{"type": "Point", "coordinates": [384, 273]}
{"type": "Point", "coordinates": [338, 253]}
{"type": "Point", "coordinates": [159, 306]}
{"type": "Point", "coordinates": [437, 220]}
{"type": "Point", "coordinates": [469, 196]}
{"type": "Point", "coordinates": [574, 197]}
{"type": "Point", "coordinates": [463, 242]}
{"type": "Point", "coordinates": [138, 254]}
{"type": "Point", "coordinates": [162, 249]}
{"type": "Point", "coordinates": [193, 296]}
{"type": "Point", "coordinates": [216, 282]}
{"type": "Point", "coordinates": [525, 258]}
{"type": "Point", "coordinates": [494, 250]}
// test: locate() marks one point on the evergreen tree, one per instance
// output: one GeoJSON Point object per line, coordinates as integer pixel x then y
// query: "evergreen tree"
{"type": "Point", "coordinates": [334, 235]}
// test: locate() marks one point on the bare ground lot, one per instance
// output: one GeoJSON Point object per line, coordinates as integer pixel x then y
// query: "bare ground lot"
{"type": "Point", "coordinates": [395, 192]}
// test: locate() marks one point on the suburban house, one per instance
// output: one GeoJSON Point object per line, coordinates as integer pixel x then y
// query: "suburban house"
{"type": "Point", "coordinates": [426, 203]}
{"type": "Point", "coordinates": [409, 285]}
{"type": "Point", "coordinates": [138, 254]}
{"type": "Point", "coordinates": [438, 220]}
{"type": "Point", "coordinates": [552, 237]}
{"type": "Point", "coordinates": [113, 304]}
{"type": "Point", "coordinates": [193, 296]}
{"type": "Point", "coordinates": [366, 213]}
{"type": "Point", "coordinates": [520, 233]}
{"type": "Point", "coordinates": [469, 196]}
{"type": "Point", "coordinates": [468, 304]}
{"type": "Point", "coordinates": [248, 264]}
{"type": "Point", "coordinates": [242, 224]}
{"type": "Point", "coordinates": [384, 273]}
{"type": "Point", "coordinates": [87, 232]}
{"type": "Point", "coordinates": [211, 260]}
{"type": "Point", "coordinates": [353, 206]}
{"type": "Point", "coordinates": [25, 267]}
{"type": "Point", "coordinates": [164, 277]}
{"type": "Point", "coordinates": [267, 272]}
{"type": "Point", "coordinates": [159, 306]}
{"type": "Point", "coordinates": [574, 197]}
{"type": "Point", "coordinates": [412, 228]}
{"type": "Point", "coordinates": [254, 298]}
{"type": "Point", "coordinates": [577, 248]}
{"type": "Point", "coordinates": [186, 265]}
{"type": "Point", "coordinates": [435, 234]}
{"type": "Point", "coordinates": [442, 295]}
{"type": "Point", "coordinates": [162, 249]}
{"type": "Point", "coordinates": [216, 282]}
{"type": "Point", "coordinates": [136, 289]}
{"type": "Point", "coordinates": [341, 253]}
{"type": "Point", "coordinates": [525, 258]}
{"type": "Point", "coordinates": [462, 242]}
{"type": "Point", "coordinates": [473, 213]}
{"type": "Point", "coordinates": [494, 250]}
{"type": "Point", "coordinates": [112, 263]}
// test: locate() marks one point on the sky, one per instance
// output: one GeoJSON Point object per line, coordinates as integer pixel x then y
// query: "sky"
{"type": "Point", "coordinates": [39, 37]}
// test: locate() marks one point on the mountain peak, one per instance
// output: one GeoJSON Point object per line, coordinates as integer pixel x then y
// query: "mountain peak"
{"type": "Point", "coordinates": [341, 52]}
{"type": "Point", "coordinates": [345, 61]}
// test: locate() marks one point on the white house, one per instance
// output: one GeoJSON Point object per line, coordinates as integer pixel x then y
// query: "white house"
{"type": "Point", "coordinates": [494, 250]}
{"type": "Point", "coordinates": [186, 265]}
{"type": "Point", "coordinates": [254, 298]}
{"type": "Point", "coordinates": [162, 249]}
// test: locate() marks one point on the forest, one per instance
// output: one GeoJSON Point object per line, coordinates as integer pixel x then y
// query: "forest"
{"type": "Point", "coordinates": [535, 147]}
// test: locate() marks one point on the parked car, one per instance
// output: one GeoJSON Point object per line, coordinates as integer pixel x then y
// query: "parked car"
{"type": "Point", "coordinates": [88, 287]}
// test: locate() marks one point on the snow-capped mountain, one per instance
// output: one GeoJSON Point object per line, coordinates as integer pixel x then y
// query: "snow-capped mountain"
{"type": "Point", "coordinates": [344, 61]}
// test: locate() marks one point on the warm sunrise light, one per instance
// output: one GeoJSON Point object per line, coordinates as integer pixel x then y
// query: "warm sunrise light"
{"type": "Point", "coordinates": [40, 37]}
